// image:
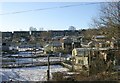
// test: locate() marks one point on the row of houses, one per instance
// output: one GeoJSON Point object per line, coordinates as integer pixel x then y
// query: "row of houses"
{"type": "Point", "coordinates": [53, 33]}
{"type": "Point", "coordinates": [66, 43]}
{"type": "Point", "coordinates": [71, 42]}
{"type": "Point", "coordinates": [31, 37]}
{"type": "Point", "coordinates": [83, 51]}
{"type": "Point", "coordinates": [107, 50]}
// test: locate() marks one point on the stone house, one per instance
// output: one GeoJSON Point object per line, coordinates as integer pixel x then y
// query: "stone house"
{"type": "Point", "coordinates": [84, 56]}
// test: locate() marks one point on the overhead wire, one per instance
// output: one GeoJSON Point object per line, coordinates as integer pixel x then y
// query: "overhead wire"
{"type": "Point", "coordinates": [49, 8]}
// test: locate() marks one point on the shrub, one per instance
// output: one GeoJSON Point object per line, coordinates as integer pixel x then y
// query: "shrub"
{"type": "Point", "coordinates": [57, 76]}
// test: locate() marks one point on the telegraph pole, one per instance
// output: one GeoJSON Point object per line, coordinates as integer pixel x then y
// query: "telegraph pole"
{"type": "Point", "coordinates": [89, 61]}
{"type": "Point", "coordinates": [60, 56]}
{"type": "Point", "coordinates": [118, 26]}
{"type": "Point", "coordinates": [118, 5]}
{"type": "Point", "coordinates": [48, 71]}
{"type": "Point", "coordinates": [119, 11]}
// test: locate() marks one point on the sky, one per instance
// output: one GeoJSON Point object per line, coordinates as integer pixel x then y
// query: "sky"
{"type": "Point", "coordinates": [50, 19]}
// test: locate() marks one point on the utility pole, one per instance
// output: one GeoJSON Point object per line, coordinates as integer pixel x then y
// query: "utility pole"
{"type": "Point", "coordinates": [48, 71]}
{"type": "Point", "coordinates": [73, 64]}
{"type": "Point", "coordinates": [60, 56]}
{"type": "Point", "coordinates": [118, 11]}
{"type": "Point", "coordinates": [118, 5]}
{"type": "Point", "coordinates": [89, 61]}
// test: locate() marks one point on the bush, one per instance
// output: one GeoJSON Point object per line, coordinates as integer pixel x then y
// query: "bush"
{"type": "Point", "coordinates": [81, 76]}
{"type": "Point", "coordinates": [57, 76]}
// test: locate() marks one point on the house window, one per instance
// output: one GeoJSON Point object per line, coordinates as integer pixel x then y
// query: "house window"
{"type": "Point", "coordinates": [80, 61]}
{"type": "Point", "coordinates": [4, 44]}
{"type": "Point", "coordinates": [81, 53]}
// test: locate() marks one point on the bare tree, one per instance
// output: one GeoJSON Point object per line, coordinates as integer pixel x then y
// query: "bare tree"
{"type": "Point", "coordinates": [32, 29]}
{"type": "Point", "coordinates": [71, 28]}
{"type": "Point", "coordinates": [41, 29]}
{"type": "Point", "coordinates": [109, 19]}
